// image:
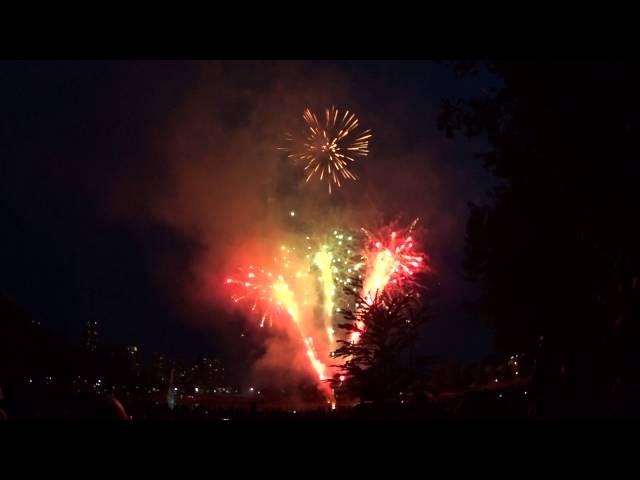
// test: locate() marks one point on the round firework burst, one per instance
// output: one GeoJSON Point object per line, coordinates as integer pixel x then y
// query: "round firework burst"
{"type": "Point", "coordinates": [328, 147]}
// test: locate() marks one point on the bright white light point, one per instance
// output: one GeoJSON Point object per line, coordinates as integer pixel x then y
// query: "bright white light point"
{"type": "Point", "coordinates": [196, 389]}
{"type": "Point", "coordinates": [292, 213]}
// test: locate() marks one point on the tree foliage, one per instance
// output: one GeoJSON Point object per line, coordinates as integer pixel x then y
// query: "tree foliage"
{"type": "Point", "coordinates": [555, 250]}
{"type": "Point", "coordinates": [376, 366]}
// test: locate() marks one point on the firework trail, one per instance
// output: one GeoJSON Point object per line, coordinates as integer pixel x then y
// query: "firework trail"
{"type": "Point", "coordinates": [285, 295]}
{"type": "Point", "coordinates": [338, 259]}
{"type": "Point", "coordinates": [284, 292]}
{"type": "Point", "coordinates": [328, 148]}
{"type": "Point", "coordinates": [323, 261]}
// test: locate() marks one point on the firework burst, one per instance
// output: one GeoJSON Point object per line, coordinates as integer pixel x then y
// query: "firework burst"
{"type": "Point", "coordinates": [315, 284]}
{"type": "Point", "coordinates": [392, 264]}
{"type": "Point", "coordinates": [392, 261]}
{"type": "Point", "coordinates": [327, 148]}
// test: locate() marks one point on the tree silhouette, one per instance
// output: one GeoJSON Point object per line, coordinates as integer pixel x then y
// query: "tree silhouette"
{"type": "Point", "coordinates": [375, 367]}
{"type": "Point", "coordinates": [555, 250]}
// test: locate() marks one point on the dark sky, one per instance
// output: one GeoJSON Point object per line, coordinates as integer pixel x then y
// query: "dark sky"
{"type": "Point", "coordinates": [104, 213]}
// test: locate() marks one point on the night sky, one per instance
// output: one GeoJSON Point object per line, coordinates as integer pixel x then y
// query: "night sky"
{"type": "Point", "coordinates": [106, 214]}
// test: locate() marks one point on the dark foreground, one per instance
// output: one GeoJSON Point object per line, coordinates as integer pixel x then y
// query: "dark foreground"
{"type": "Point", "coordinates": [484, 405]}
